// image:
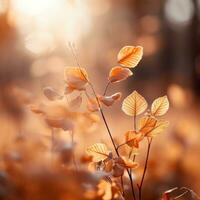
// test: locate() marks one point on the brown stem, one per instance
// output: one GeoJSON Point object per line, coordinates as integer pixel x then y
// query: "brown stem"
{"type": "Point", "coordinates": [106, 88]}
{"type": "Point", "coordinates": [145, 169]}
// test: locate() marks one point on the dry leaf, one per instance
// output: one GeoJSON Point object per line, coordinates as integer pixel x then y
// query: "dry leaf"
{"type": "Point", "coordinates": [59, 123]}
{"type": "Point", "coordinates": [76, 78]}
{"type": "Point", "coordinates": [160, 126]}
{"type": "Point", "coordinates": [51, 93]}
{"type": "Point", "coordinates": [133, 138]}
{"type": "Point", "coordinates": [130, 56]}
{"type": "Point", "coordinates": [134, 104]}
{"type": "Point", "coordinates": [160, 106]}
{"type": "Point", "coordinates": [110, 100]}
{"type": "Point", "coordinates": [118, 74]}
{"type": "Point", "coordinates": [98, 151]}
{"type": "Point", "coordinates": [147, 124]}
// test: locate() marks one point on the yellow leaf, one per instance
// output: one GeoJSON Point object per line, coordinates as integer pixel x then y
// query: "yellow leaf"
{"type": "Point", "coordinates": [98, 151]}
{"type": "Point", "coordinates": [118, 74]}
{"type": "Point", "coordinates": [134, 104]}
{"type": "Point", "coordinates": [147, 124]}
{"type": "Point", "coordinates": [76, 78]}
{"type": "Point", "coordinates": [160, 126]}
{"type": "Point", "coordinates": [130, 56]}
{"type": "Point", "coordinates": [160, 106]}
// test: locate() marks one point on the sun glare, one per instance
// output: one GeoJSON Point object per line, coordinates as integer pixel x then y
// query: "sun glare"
{"type": "Point", "coordinates": [61, 20]}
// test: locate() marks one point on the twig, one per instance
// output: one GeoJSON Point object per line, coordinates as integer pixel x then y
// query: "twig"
{"type": "Point", "coordinates": [145, 169]}
{"type": "Point", "coordinates": [106, 88]}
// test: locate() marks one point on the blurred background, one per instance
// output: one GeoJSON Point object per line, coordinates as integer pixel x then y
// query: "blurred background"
{"type": "Point", "coordinates": [34, 50]}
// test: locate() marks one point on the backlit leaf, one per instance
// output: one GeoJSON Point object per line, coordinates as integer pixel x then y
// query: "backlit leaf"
{"type": "Point", "coordinates": [130, 56]}
{"type": "Point", "coordinates": [134, 104]}
{"type": "Point", "coordinates": [98, 151]}
{"type": "Point", "coordinates": [147, 124]}
{"type": "Point", "coordinates": [76, 77]}
{"type": "Point", "coordinates": [118, 74]}
{"type": "Point", "coordinates": [133, 138]}
{"type": "Point", "coordinates": [160, 106]}
{"type": "Point", "coordinates": [160, 126]}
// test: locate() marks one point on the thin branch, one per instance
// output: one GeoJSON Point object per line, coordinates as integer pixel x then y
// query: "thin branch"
{"type": "Point", "coordinates": [106, 89]}
{"type": "Point", "coordinates": [145, 169]}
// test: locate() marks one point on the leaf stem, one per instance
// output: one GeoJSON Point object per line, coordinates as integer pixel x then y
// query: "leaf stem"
{"type": "Point", "coordinates": [106, 88]}
{"type": "Point", "coordinates": [145, 169]}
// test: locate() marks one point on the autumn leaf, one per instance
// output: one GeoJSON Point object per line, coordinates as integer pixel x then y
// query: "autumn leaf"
{"type": "Point", "coordinates": [130, 56]}
{"type": "Point", "coordinates": [134, 104]}
{"type": "Point", "coordinates": [133, 138]}
{"type": "Point", "coordinates": [110, 100]}
{"type": "Point", "coordinates": [98, 151]}
{"type": "Point", "coordinates": [147, 124]}
{"type": "Point", "coordinates": [51, 93]}
{"type": "Point", "coordinates": [160, 106]}
{"type": "Point", "coordinates": [76, 78]}
{"type": "Point", "coordinates": [160, 126]}
{"type": "Point", "coordinates": [118, 74]}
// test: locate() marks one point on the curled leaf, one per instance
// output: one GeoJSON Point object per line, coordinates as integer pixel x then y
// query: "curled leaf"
{"type": "Point", "coordinates": [76, 78]}
{"type": "Point", "coordinates": [59, 123]}
{"type": "Point", "coordinates": [160, 106]}
{"type": "Point", "coordinates": [51, 93]}
{"type": "Point", "coordinates": [133, 138]}
{"type": "Point", "coordinates": [118, 74]}
{"type": "Point", "coordinates": [98, 151]}
{"type": "Point", "coordinates": [130, 56]}
{"type": "Point", "coordinates": [134, 104]}
{"type": "Point", "coordinates": [110, 100]}
{"type": "Point", "coordinates": [147, 124]}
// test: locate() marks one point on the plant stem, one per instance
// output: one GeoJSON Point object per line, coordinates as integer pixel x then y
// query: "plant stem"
{"type": "Point", "coordinates": [145, 169]}
{"type": "Point", "coordinates": [106, 88]}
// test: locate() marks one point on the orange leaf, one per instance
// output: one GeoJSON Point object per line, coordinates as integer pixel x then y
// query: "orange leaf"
{"type": "Point", "coordinates": [134, 104]}
{"type": "Point", "coordinates": [160, 106]}
{"type": "Point", "coordinates": [76, 77]}
{"type": "Point", "coordinates": [147, 124]}
{"type": "Point", "coordinates": [130, 56]}
{"type": "Point", "coordinates": [133, 138]}
{"type": "Point", "coordinates": [160, 126]}
{"type": "Point", "coordinates": [118, 74]}
{"type": "Point", "coordinates": [128, 163]}
{"type": "Point", "coordinates": [98, 151]}
{"type": "Point", "coordinates": [75, 103]}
